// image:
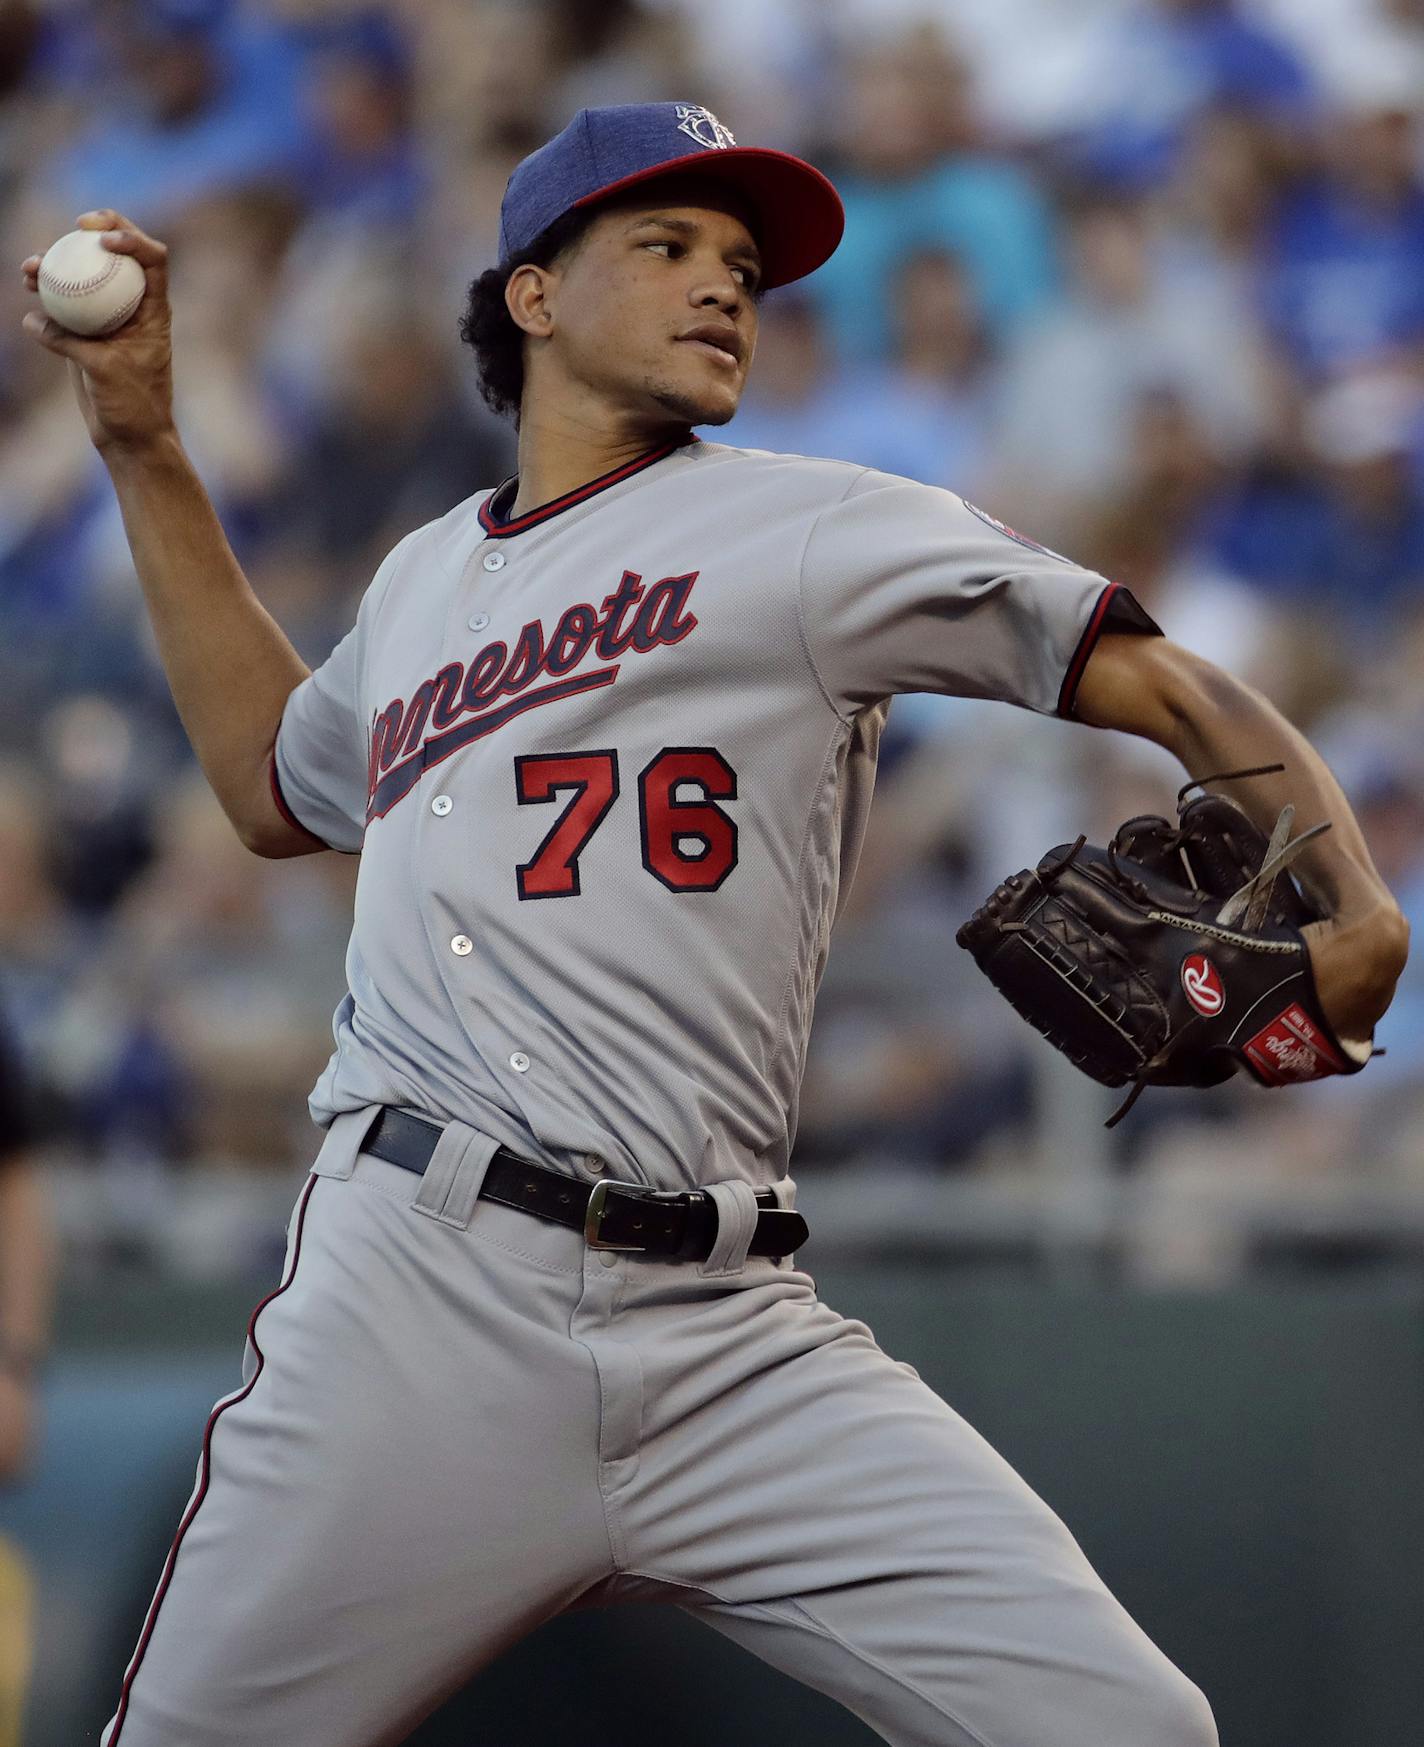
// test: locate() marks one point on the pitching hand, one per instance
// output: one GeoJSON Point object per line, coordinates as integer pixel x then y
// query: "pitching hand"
{"type": "Point", "coordinates": [1356, 965]}
{"type": "Point", "coordinates": [123, 381]}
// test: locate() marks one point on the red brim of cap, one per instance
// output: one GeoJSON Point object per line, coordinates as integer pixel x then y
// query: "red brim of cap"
{"type": "Point", "coordinates": [797, 215]}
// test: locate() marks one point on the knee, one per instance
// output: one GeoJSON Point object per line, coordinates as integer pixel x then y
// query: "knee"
{"type": "Point", "coordinates": [1175, 1713]}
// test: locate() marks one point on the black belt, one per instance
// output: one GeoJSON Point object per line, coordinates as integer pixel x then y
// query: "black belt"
{"type": "Point", "coordinates": [611, 1216]}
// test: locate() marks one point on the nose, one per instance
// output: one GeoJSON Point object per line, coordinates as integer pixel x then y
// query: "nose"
{"type": "Point", "coordinates": [721, 292]}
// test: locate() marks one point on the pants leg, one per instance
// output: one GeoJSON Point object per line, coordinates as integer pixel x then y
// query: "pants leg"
{"type": "Point", "coordinates": [818, 1503]}
{"type": "Point", "coordinates": [402, 1487]}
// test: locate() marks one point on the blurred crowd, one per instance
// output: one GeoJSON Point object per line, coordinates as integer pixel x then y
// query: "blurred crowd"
{"type": "Point", "coordinates": [1142, 277]}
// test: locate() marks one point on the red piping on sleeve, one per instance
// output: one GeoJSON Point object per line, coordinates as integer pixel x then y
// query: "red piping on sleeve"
{"type": "Point", "coordinates": [1086, 644]}
{"type": "Point", "coordinates": [281, 801]}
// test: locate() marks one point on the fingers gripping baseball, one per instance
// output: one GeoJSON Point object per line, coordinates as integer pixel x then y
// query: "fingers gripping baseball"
{"type": "Point", "coordinates": [122, 380]}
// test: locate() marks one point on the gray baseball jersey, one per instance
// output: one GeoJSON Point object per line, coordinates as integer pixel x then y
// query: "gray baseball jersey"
{"type": "Point", "coordinates": [608, 766]}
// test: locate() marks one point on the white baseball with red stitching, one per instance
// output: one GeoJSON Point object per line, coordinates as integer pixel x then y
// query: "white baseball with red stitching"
{"type": "Point", "coordinates": [87, 288]}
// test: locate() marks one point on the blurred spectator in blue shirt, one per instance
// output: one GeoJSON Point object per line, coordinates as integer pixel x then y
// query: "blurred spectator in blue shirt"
{"type": "Point", "coordinates": [1148, 536]}
{"type": "Point", "coordinates": [1345, 277]}
{"type": "Point", "coordinates": [362, 162]}
{"type": "Point", "coordinates": [1339, 523]}
{"type": "Point", "coordinates": [922, 413]}
{"type": "Point", "coordinates": [797, 400]}
{"type": "Point", "coordinates": [1214, 214]}
{"type": "Point", "coordinates": [196, 97]}
{"type": "Point", "coordinates": [1370, 563]}
{"type": "Point", "coordinates": [1128, 327]}
{"type": "Point", "coordinates": [1167, 62]}
{"type": "Point", "coordinates": [917, 176]}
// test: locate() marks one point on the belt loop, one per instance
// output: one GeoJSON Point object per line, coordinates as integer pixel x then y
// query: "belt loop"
{"type": "Point", "coordinates": [451, 1184]}
{"type": "Point", "coordinates": [344, 1138]}
{"type": "Point", "coordinates": [736, 1205]}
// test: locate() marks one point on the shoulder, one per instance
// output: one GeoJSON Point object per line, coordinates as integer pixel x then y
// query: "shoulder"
{"type": "Point", "coordinates": [828, 485]}
{"type": "Point", "coordinates": [812, 477]}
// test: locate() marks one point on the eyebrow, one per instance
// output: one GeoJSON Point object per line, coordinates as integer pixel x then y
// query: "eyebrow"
{"type": "Point", "coordinates": [688, 227]}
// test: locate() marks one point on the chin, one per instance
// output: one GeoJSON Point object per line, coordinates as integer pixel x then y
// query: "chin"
{"type": "Point", "coordinates": [693, 407]}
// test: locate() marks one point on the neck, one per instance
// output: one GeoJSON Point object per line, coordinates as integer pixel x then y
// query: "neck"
{"type": "Point", "coordinates": [562, 449]}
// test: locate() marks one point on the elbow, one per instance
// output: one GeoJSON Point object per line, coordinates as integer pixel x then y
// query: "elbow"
{"type": "Point", "coordinates": [258, 837]}
{"type": "Point", "coordinates": [272, 838]}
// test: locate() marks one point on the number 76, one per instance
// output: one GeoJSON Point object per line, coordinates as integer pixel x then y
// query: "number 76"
{"type": "Point", "coordinates": [668, 825]}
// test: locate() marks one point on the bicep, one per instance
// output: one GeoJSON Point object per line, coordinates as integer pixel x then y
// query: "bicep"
{"type": "Point", "coordinates": [1149, 686]}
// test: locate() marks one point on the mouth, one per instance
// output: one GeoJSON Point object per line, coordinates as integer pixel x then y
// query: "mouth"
{"type": "Point", "coordinates": [722, 343]}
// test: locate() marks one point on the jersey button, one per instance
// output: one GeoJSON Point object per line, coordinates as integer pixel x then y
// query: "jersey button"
{"type": "Point", "coordinates": [519, 1062]}
{"type": "Point", "coordinates": [462, 945]}
{"type": "Point", "coordinates": [478, 621]}
{"type": "Point", "coordinates": [494, 561]}
{"type": "Point", "coordinates": [441, 805]}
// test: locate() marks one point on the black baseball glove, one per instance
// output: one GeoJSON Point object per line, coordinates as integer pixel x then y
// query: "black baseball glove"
{"type": "Point", "coordinates": [1170, 958]}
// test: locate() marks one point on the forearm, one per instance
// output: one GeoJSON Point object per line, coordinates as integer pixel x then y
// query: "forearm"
{"type": "Point", "coordinates": [229, 665]}
{"type": "Point", "coordinates": [1239, 730]}
{"type": "Point", "coordinates": [1213, 723]}
{"type": "Point", "coordinates": [27, 1255]}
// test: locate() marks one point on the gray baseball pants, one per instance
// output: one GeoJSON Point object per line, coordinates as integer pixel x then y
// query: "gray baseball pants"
{"type": "Point", "coordinates": [457, 1421]}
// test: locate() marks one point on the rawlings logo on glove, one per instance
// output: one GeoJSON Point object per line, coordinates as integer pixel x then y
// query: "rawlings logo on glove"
{"type": "Point", "coordinates": [1203, 984]}
{"type": "Point", "coordinates": [1172, 957]}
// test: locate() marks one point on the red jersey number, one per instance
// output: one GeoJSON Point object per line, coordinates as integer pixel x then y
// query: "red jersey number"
{"type": "Point", "coordinates": [689, 842]}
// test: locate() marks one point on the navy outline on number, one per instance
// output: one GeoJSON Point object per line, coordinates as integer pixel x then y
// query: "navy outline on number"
{"type": "Point", "coordinates": [710, 799]}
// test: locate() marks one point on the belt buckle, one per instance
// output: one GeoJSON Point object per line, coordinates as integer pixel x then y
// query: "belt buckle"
{"type": "Point", "coordinates": [598, 1206]}
{"type": "Point", "coordinates": [593, 1221]}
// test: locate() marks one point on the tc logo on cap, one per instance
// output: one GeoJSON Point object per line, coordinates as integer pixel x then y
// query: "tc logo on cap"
{"type": "Point", "coordinates": [701, 125]}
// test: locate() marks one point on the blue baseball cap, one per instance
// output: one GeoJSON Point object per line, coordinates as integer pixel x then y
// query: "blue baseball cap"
{"type": "Point", "coordinates": [797, 216]}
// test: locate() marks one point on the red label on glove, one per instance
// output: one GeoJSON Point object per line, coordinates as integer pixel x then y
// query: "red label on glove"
{"type": "Point", "coordinates": [1292, 1048]}
{"type": "Point", "coordinates": [1203, 985]}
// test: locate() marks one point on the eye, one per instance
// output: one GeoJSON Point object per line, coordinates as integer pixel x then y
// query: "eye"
{"type": "Point", "coordinates": [749, 277]}
{"type": "Point", "coordinates": [675, 250]}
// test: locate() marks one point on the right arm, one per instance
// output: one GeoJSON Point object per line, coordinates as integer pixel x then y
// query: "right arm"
{"type": "Point", "coordinates": [230, 668]}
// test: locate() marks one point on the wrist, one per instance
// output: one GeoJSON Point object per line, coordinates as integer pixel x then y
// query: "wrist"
{"type": "Point", "coordinates": [137, 454]}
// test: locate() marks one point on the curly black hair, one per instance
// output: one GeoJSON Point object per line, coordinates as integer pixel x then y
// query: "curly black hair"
{"type": "Point", "coordinates": [492, 332]}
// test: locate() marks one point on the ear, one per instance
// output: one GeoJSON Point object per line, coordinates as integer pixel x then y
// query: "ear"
{"type": "Point", "coordinates": [529, 299]}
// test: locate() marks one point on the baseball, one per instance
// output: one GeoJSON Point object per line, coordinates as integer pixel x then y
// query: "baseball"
{"type": "Point", "coordinates": [86, 287]}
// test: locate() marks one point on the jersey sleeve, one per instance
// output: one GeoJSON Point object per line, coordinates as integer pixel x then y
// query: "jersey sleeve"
{"type": "Point", "coordinates": [319, 764]}
{"type": "Point", "coordinates": [319, 767]}
{"type": "Point", "coordinates": [907, 588]}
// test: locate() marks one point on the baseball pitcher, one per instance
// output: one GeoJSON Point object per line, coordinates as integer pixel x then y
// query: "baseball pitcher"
{"type": "Point", "coordinates": [604, 737]}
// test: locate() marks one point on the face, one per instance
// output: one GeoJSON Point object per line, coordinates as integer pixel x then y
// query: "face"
{"type": "Point", "coordinates": [652, 314]}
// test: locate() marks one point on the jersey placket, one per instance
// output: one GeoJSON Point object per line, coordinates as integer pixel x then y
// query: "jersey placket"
{"type": "Point", "coordinates": [454, 858]}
